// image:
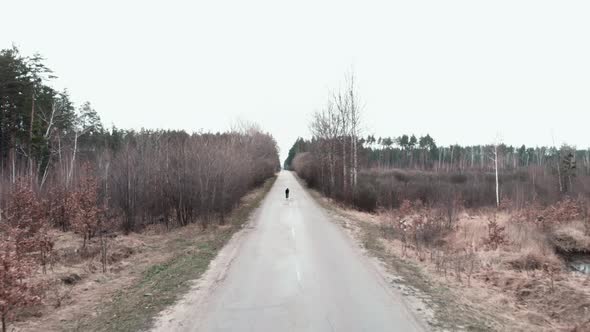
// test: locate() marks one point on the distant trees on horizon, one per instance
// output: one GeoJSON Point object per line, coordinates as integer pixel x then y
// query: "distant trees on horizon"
{"type": "Point", "coordinates": [407, 151]}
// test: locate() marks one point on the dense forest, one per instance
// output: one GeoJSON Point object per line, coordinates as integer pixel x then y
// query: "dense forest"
{"type": "Point", "coordinates": [60, 168]}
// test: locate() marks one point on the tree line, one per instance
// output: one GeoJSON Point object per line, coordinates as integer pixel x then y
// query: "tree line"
{"type": "Point", "coordinates": [45, 139]}
{"type": "Point", "coordinates": [388, 170]}
{"type": "Point", "coordinates": [409, 152]}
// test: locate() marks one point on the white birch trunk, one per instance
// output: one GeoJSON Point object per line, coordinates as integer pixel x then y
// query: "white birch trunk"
{"type": "Point", "coordinates": [497, 177]}
{"type": "Point", "coordinates": [71, 169]}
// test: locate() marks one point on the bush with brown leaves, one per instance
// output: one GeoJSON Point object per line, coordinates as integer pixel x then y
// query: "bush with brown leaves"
{"type": "Point", "coordinates": [567, 209]}
{"type": "Point", "coordinates": [25, 219]}
{"type": "Point", "coordinates": [15, 291]}
{"type": "Point", "coordinates": [61, 207]}
{"type": "Point", "coordinates": [24, 243]}
{"type": "Point", "coordinates": [496, 234]}
{"type": "Point", "coordinates": [87, 219]}
{"type": "Point", "coordinates": [418, 225]}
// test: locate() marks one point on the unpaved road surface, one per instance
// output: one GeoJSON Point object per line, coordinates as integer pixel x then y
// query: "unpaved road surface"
{"type": "Point", "coordinates": [291, 270]}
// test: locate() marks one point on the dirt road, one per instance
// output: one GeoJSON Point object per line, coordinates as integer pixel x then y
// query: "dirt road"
{"type": "Point", "coordinates": [292, 270]}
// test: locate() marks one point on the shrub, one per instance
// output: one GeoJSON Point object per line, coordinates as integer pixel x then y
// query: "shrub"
{"type": "Point", "coordinates": [15, 292]}
{"type": "Point", "coordinates": [366, 197]}
{"type": "Point", "coordinates": [62, 207]}
{"type": "Point", "coordinates": [496, 235]}
{"type": "Point", "coordinates": [23, 233]}
{"type": "Point", "coordinates": [532, 259]}
{"type": "Point", "coordinates": [25, 219]}
{"type": "Point", "coordinates": [570, 239]}
{"type": "Point", "coordinates": [89, 213]}
{"type": "Point", "coordinates": [458, 178]}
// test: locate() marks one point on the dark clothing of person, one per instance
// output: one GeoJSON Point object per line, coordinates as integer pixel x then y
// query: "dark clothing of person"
{"type": "Point", "coordinates": [287, 193]}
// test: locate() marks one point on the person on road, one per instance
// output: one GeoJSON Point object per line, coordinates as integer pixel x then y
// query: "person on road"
{"type": "Point", "coordinates": [287, 193]}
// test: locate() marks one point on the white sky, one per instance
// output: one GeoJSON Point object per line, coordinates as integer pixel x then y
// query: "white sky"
{"type": "Point", "coordinates": [462, 71]}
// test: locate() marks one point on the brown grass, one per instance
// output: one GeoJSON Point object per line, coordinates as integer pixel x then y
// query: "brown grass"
{"type": "Point", "coordinates": [524, 284]}
{"type": "Point", "coordinates": [571, 238]}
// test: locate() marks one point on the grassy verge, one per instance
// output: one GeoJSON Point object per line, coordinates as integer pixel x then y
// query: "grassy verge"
{"type": "Point", "coordinates": [161, 285]}
{"type": "Point", "coordinates": [450, 313]}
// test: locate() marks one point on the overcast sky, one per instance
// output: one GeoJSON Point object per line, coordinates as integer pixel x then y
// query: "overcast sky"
{"type": "Point", "coordinates": [462, 71]}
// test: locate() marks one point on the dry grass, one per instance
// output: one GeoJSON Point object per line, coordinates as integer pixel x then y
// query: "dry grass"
{"type": "Point", "coordinates": [571, 238]}
{"type": "Point", "coordinates": [524, 280]}
{"type": "Point", "coordinates": [524, 284]}
{"type": "Point", "coordinates": [74, 283]}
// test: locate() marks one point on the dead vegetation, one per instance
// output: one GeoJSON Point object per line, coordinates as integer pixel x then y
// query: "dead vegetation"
{"type": "Point", "coordinates": [505, 272]}
{"type": "Point", "coordinates": [145, 272]}
{"type": "Point", "coordinates": [148, 180]}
